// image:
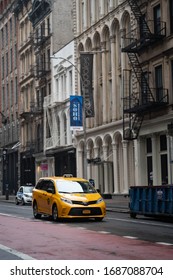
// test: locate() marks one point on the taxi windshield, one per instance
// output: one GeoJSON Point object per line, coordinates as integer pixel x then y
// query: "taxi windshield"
{"type": "Point", "coordinates": [65, 186]}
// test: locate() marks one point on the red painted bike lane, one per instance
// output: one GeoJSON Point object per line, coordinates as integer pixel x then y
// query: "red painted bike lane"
{"type": "Point", "coordinates": [59, 241]}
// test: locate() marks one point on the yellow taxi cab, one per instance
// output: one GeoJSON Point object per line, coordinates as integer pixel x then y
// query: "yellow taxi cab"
{"type": "Point", "coordinates": [67, 197]}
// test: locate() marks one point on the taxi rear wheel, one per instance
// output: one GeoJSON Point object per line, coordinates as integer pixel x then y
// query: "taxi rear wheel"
{"type": "Point", "coordinates": [55, 213]}
{"type": "Point", "coordinates": [35, 211]}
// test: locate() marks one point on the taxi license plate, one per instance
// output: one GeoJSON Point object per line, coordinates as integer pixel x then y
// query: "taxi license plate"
{"type": "Point", "coordinates": [86, 211]}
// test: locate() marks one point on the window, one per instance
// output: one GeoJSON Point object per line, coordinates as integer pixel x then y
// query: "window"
{"type": "Point", "coordinates": [149, 161]}
{"type": "Point", "coordinates": [70, 82]}
{"type": "Point", "coordinates": [3, 98]}
{"type": "Point", "coordinates": [58, 129]}
{"type": "Point", "coordinates": [6, 34]}
{"type": "Point", "coordinates": [11, 93]}
{"type": "Point", "coordinates": [6, 64]}
{"type": "Point", "coordinates": [149, 145]}
{"type": "Point", "coordinates": [48, 59]}
{"type": "Point", "coordinates": [144, 87]}
{"type": "Point", "coordinates": [15, 56]}
{"type": "Point", "coordinates": [2, 38]}
{"type": "Point", "coordinates": [2, 69]}
{"type": "Point", "coordinates": [11, 28]}
{"type": "Point", "coordinates": [171, 15]}
{"type": "Point", "coordinates": [7, 96]}
{"type": "Point", "coordinates": [48, 25]}
{"type": "Point", "coordinates": [159, 83]}
{"type": "Point", "coordinates": [163, 159]}
{"type": "Point", "coordinates": [16, 91]}
{"type": "Point", "coordinates": [42, 30]}
{"type": "Point", "coordinates": [15, 25]}
{"type": "Point", "coordinates": [65, 129]}
{"type": "Point", "coordinates": [157, 17]}
{"type": "Point", "coordinates": [163, 143]}
{"type": "Point", "coordinates": [49, 88]}
{"type": "Point", "coordinates": [39, 143]}
{"type": "Point", "coordinates": [83, 14]}
{"type": "Point", "coordinates": [39, 185]}
{"type": "Point", "coordinates": [11, 60]}
{"type": "Point", "coordinates": [171, 76]}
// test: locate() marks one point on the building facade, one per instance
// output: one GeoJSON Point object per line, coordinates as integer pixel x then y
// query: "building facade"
{"type": "Point", "coordinates": [9, 100]}
{"type": "Point", "coordinates": [58, 138]}
{"type": "Point", "coordinates": [42, 31]}
{"type": "Point", "coordinates": [132, 88]}
{"type": "Point", "coordinates": [128, 141]}
{"type": "Point", "coordinates": [52, 23]}
{"type": "Point", "coordinates": [26, 88]}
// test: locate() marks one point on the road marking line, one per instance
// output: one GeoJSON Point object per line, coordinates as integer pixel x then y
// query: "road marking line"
{"type": "Point", "coordinates": [164, 243]}
{"type": "Point", "coordinates": [16, 253]}
{"type": "Point", "coordinates": [140, 222]}
{"type": "Point", "coordinates": [130, 237]}
{"type": "Point", "coordinates": [104, 232]}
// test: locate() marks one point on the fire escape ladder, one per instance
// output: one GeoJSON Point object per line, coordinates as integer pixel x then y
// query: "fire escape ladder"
{"type": "Point", "coordinates": [136, 125]}
{"type": "Point", "coordinates": [138, 102]}
{"type": "Point", "coordinates": [135, 122]}
{"type": "Point", "coordinates": [145, 30]}
{"type": "Point", "coordinates": [140, 76]}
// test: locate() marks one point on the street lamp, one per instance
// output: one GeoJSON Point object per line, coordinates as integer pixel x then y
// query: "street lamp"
{"type": "Point", "coordinates": [84, 114]}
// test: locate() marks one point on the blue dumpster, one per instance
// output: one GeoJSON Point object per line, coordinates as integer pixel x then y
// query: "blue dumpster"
{"type": "Point", "coordinates": [151, 200]}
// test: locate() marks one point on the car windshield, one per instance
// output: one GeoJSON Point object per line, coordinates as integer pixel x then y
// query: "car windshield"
{"type": "Point", "coordinates": [65, 186]}
{"type": "Point", "coordinates": [27, 189]}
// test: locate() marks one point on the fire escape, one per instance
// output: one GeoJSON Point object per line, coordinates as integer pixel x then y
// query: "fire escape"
{"type": "Point", "coordinates": [137, 103]}
{"type": "Point", "coordinates": [42, 37]}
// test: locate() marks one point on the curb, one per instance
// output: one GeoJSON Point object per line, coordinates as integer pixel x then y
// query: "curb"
{"type": "Point", "coordinates": [118, 209]}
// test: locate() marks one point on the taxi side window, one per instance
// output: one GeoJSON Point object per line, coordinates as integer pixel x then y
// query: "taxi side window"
{"type": "Point", "coordinates": [44, 185]}
{"type": "Point", "coordinates": [50, 187]}
{"type": "Point", "coordinates": [39, 185]}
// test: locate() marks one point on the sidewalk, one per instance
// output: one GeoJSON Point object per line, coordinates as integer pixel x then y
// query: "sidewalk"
{"type": "Point", "coordinates": [118, 203]}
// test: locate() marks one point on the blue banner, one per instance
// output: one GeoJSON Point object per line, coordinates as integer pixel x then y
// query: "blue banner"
{"type": "Point", "coordinates": [76, 105]}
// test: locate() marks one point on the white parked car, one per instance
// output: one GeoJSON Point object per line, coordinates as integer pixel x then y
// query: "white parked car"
{"type": "Point", "coordinates": [24, 195]}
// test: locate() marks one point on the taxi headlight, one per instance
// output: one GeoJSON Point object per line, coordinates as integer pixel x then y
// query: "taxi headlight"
{"type": "Point", "coordinates": [99, 200]}
{"type": "Point", "coordinates": [66, 200]}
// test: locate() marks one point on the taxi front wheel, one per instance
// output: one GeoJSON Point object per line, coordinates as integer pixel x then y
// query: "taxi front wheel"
{"type": "Point", "coordinates": [35, 211]}
{"type": "Point", "coordinates": [55, 213]}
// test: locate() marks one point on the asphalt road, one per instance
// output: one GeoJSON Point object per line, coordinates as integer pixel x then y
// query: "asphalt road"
{"type": "Point", "coordinates": [144, 228]}
{"type": "Point", "coordinates": [18, 224]}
